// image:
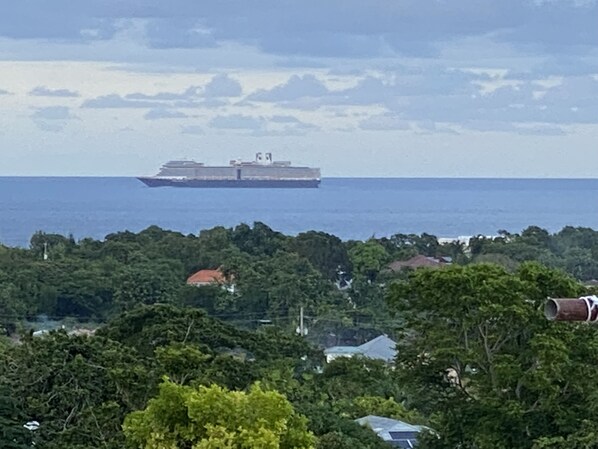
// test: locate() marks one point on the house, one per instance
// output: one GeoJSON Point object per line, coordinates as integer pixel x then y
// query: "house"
{"type": "Point", "coordinates": [418, 262]}
{"type": "Point", "coordinates": [210, 277]}
{"type": "Point", "coordinates": [394, 432]}
{"type": "Point", "coordinates": [380, 348]}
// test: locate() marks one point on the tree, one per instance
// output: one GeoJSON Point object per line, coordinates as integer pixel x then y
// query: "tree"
{"type": "Point", "coordinates": [12, 433]}
{"type": "Point", "coordinates": [12, 308]}
{"type": "Point", "coordinates": [261, 240]}
{"type": "Point", "coordinates": [324, 251]}
{"type": "Point", "coordinates": [79, 389]}
{"type": "Point", "coordinates": [149, 327]}
{"type": "Point", "coordinates": [350, 377]}
{"type": "Point", "coordinates": [368, 258]}
{"type": "Point", "coordinates": [148, 283]}
{"type": "Point", "coordinates": [215, 418]}
{"type": "Point", "coordinates": [477, 355]}
{"type": "Point", "coordinates": [336, 432]}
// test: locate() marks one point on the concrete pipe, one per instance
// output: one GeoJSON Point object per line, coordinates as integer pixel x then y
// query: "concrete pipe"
{"type": "Point", "coordinates": [572, 309]}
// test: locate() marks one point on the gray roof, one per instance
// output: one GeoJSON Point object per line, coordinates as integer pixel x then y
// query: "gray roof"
{"type": "Point", "coordinates": [380, 348]}
{"type": "Point", "coordinates": [342, 350]}
{"type": "Point", "coordinates": [393, 431]}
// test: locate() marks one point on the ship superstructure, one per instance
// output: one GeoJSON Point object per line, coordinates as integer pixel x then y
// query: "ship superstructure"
{"type": "Point", "coordinates": [262, 172]}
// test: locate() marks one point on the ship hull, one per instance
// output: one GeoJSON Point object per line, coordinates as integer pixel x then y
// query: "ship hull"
{"type": "Point", "coordinates": [231, 183]}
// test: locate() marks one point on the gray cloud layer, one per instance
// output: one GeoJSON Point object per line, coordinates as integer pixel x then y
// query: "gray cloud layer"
{"type": "Point", "coordinates": [43, 91]}
{"type": "Point", "coordinates": [336, 28]}
{"type": "Point", "coordinates": [212, 95]}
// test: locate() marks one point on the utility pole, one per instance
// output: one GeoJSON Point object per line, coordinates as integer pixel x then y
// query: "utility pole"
{"type": "Point", "coordinates": [301, 328]}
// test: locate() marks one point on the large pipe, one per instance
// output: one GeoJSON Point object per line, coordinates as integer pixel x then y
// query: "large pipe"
{"type": "Point", "coordinates": [572, 309]}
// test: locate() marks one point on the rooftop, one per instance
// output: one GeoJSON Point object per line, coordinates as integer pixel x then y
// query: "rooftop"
{"type": "Point", "coordinates": [380, 348]}
{"type": "Point", "coordinates": [393, 431]}
{"type": "Point", "coordinates": [204, 277]}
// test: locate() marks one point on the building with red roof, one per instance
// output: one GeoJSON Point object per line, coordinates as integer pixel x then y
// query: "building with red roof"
{"type": "Point", "coordinates": [210, 277]}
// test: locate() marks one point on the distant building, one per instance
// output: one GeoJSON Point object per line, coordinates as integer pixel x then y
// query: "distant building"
{"type": "Point", "coordinates": [380, 348]}
{"type": "Point", "coordinates": [210, 277]}
{"type": "Point", "coordinates": [394, 432]}
{"type": "Point", "coordinates": [418, 262]}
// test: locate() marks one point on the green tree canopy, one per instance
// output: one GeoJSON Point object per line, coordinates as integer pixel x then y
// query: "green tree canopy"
{"type": "Point", "coordinates": [368, 258]}
{"type": "Point", "coordinates": [78, 388]}
{"type": "Point", "coordinates": [216, 418]}
{"type": "Point", "coordinates": [478, 355]}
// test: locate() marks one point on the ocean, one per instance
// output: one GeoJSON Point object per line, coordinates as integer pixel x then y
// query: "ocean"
{"type": "Point", "coordinates": [351, 208]}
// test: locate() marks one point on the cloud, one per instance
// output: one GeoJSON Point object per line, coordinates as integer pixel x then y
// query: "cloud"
{"type": "Point", "coordinates": [189, 98]}
{"type": "Point", "coordinates": [116, 101]}
{"type": "Point", "coordinates": [294, 129]}
{"type": "Point", "coordinates": [278, 125]}
{"type": "Point", "coordinates": [52, 118]}
{"type": "Point", "coordinates": [408, 97]}
{"type": "Point", "coordinates": [308, 92]}
{"type": "Point", "coordinates": [206, 103]}
{"type": "Point", "coordinates": [383, 122]}
{"type": "Point", "coordinates": [43, 91]}
{"type": "Point", "coordinates": [237, 121]}
{"type": "Point", "coordinates": [515, 128]}
{"type": "Point", "coordinates": [4, 92]}
{"type": "Point", "coordinates": [192, 129]}
{"type": "Point", "coordinates": [286, 125]}
{"type": "Point", "coordinates": [295, 88]}
{"type": "Point", "coordinates": [61, 20]}
{"type": "Point", "coordinates": [190, 92]}
{"type": "Point", "coordinates": [157, 114]}
{"type": "Point", "coordinates": [333, 29]}
{"type": "Point", "coordinates": [284, 119]}
{"type": "Point", "coordinates": [222, 86]}
{"type": "Point", "coordinates": [53, 113]}
{"type": "Point", "coordinates": [541, 130]}
{"type": "Point", "coordinates": [177, 32]}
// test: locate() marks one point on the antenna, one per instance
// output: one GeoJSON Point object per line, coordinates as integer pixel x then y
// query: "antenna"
{"type": "Point", "coordinates": [301, 329]}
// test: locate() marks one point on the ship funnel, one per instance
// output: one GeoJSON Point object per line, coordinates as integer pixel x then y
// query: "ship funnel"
{"type": "Point", "coordinates": [572, 309]}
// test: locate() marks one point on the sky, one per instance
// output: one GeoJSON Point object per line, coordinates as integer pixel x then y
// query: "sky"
{"type": "Point", "coordinates": [383, 88]}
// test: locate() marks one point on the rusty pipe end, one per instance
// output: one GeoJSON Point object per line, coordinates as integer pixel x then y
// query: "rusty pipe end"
{"type": "Point", "coordinates": [551, 309]}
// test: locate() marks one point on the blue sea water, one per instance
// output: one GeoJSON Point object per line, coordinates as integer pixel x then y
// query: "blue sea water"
{"type": "Point", "coordinates": [348, 208]}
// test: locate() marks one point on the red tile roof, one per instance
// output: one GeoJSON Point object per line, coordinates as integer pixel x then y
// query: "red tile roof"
{"type": "Point", "coordinates": [204, 277]}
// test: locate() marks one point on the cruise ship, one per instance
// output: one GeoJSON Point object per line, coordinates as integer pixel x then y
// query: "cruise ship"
{"type": "Point", "coordinates": [262, 172]}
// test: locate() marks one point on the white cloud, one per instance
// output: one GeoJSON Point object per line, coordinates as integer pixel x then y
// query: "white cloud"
{"type": "Point", "coordinates": [550, 82]}
{"type": "Point", "coordinates": [492, 85]}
